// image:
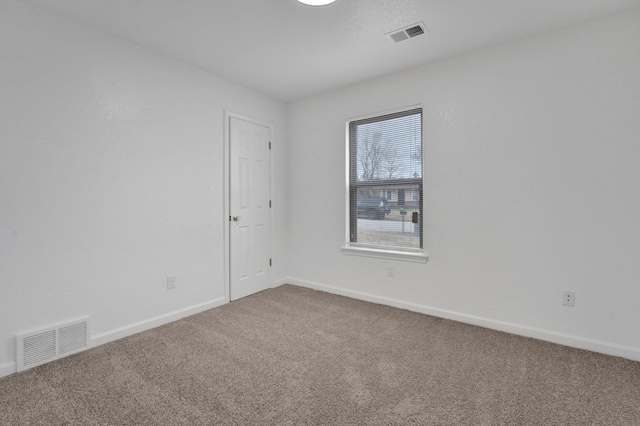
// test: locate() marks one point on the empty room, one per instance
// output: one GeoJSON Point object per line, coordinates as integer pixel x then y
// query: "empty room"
{"type": "Point", "coordinates": [348, 212]}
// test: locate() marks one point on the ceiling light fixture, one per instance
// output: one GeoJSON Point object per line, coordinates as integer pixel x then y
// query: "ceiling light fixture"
{"type": "Point", "coordinates": [316, 2]}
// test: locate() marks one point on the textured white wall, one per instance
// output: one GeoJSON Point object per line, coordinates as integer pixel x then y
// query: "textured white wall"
{"type": "Point", "coordinates": [532, 170]}
{"type": "Point", "coordinates": [111, 178]}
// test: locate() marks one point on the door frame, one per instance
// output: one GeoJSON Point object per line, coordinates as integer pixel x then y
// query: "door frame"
{"type": "Point", "coordinates": [226, 204]}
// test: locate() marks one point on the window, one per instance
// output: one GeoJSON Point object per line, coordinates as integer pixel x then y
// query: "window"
{"type": "Point", "coordinates": [385, 205]}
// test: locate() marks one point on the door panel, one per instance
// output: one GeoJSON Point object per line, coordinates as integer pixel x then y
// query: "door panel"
{"type": "Point", "coordinates": [249, 194]}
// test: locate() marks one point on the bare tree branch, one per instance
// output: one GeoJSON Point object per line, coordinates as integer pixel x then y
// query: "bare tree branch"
{"type": "Point", "coordinates": [370, 156]}
{"type": "Point", "coordinates": [391, 163]}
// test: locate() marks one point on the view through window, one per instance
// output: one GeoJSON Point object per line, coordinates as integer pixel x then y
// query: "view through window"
{"type": "Point", "coordinates": [385, 181]}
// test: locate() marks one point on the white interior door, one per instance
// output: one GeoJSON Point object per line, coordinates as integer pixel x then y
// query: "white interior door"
{"type": "Point", "coordinates": [249, 207]}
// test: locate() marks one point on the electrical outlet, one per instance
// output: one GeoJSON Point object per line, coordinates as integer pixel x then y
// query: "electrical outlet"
{"type": "Point", "coordinates": [569, 298]}
{"type": "Point", "coordinates": [391, 271]}
{"type": "Point", "coordinates": [171, 283]}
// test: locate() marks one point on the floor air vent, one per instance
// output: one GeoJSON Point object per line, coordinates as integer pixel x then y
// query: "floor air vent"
{"type": "Point", "coordinates": [41, 346]}
{"type": "Point", "coordinates": [408, 32]}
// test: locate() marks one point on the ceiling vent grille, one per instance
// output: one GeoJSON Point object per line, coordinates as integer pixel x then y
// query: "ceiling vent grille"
{"type": "Point", "coordinates": [408, 32]}
{"type": "Point", "coordinates": [48, 344]}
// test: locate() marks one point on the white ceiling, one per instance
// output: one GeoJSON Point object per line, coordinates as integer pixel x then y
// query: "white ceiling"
{"type": "Point", "coordinates": [289, 51]}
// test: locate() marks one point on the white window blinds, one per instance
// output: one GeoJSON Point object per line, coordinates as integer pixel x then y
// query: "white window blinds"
{"type": "Point", "coordinates": [385, 181]}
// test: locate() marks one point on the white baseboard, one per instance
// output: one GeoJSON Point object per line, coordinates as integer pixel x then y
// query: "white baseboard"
{"type": "Point", "coordinates": [278, 283]}
{"type": "Point", "coordinates": [8, 369]}
{"type": "Point", "coordinates": [128, 330]}
{"type": "Point", "coordinates": [593, 345]}
{"type": "Point", "coordinates": [145, 325]}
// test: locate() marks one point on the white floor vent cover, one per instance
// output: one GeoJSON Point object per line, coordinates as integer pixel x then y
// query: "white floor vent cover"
{"type": "Point", "coordinates": [41, 346]}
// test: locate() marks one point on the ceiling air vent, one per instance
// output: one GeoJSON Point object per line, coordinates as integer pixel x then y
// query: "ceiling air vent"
{"type": "Point", "coordinates": [408, 32]}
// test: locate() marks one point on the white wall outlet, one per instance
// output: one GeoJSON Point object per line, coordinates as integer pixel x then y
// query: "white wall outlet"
{"type": "Point", "coordinates": [171, 283]}
{"type": "Point", "coordinates": [391, 271]}
{"type": "Point", "coordinates": [569, 298]}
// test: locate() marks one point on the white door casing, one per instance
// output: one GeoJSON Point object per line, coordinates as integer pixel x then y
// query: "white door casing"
{"type": "Point", "coordinates": [249, 207]}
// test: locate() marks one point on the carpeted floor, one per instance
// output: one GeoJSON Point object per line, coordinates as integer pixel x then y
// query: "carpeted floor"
{"type": "Point", "coordinates": [294, 356]}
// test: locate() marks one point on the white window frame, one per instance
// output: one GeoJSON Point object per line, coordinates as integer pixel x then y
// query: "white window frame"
{"type": "Point", "coordinates": [409, 255]}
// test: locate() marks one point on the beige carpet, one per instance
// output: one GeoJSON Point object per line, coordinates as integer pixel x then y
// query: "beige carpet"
{"type": "Point", "coordinates": [293, 356]}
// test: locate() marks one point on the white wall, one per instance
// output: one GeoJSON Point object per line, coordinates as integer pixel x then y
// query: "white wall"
{"type": "Point", "coordinates": [111, 179]}
{"type": "Point", "coordinates": [532, 175]}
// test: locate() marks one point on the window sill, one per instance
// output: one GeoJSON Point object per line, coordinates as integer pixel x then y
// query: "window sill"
{"type": "Point", "coordinates": [386, 254]}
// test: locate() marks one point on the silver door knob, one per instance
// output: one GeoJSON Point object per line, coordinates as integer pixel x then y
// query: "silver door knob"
{"type": "Point", "coordinates": [236, 218]}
